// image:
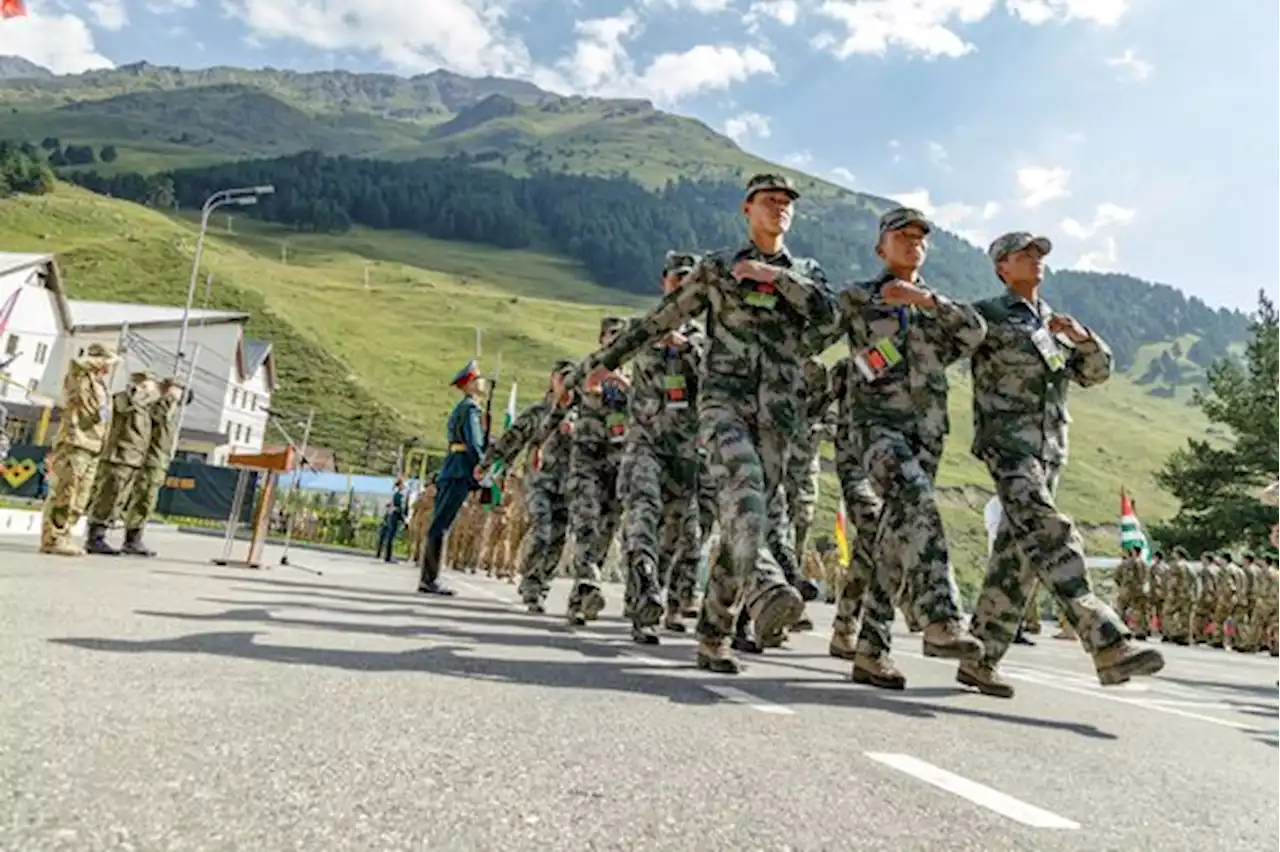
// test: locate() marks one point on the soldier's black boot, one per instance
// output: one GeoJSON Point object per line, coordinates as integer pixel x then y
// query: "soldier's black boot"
{"type": "Point", "coordinates": [429, 580]}
{"type": "Point", "coordinates": [744, 641]}
{"type": "Point", "coordinates": [133, 545]}
{"type": "Point", "coordinates": [97, 541]}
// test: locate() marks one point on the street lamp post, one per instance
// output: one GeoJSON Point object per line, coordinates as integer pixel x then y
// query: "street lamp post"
{"type": "Point", "coordinates": [243, 196]}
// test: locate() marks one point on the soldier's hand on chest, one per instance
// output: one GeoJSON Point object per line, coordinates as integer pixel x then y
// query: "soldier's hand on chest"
{"type": "Point", "coordinates": [900, 293]}
{"type": "Point", "coordinates": [755, 270]}
{"type": "Point", "coordinates": [1068, 327]}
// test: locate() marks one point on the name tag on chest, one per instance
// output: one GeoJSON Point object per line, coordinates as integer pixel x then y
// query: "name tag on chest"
{"type": "Point", "coordinates": [762, 295]}
{"type": "Point", "coordinates": [616, 424]}
{"type": "Point", "coordinates": [1048, 349]}
{"type": "Point", "coordinates": [878, 360]}
{"type": "Point", "coordinates": [677, 392]}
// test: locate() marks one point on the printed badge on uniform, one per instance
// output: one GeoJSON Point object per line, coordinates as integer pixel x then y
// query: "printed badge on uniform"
{"type": "Point", "coordinates": [677, 392]}
{"type": "Point", "coordinates": [877, 360]}
{"type": "Point", "coordinates": [616, 422]}
{"type": "Point", "coordinates": [1048, 349]}
{"type": "Point", "coordinates": [762, 295]}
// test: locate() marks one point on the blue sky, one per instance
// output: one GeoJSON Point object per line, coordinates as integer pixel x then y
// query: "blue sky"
{"type": "Point", "coordinates": [1142, 136]}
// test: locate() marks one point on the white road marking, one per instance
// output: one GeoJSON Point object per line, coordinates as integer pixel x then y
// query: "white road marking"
{"type": "Point", "coordinates": [737, 696]}
{"type": "Point", "coordinates": [981, 795]}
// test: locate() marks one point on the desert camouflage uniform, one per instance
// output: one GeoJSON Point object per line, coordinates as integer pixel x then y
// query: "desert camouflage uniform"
{"type": "Point", "coordinates": [1248, 628]}
{"type": "Point", "coordinates": [748, 416]}
{"type": "Point", "coordinates": [1132, 594]}
{"type": "Point", "coordinates": [1158, 574]}
{"type": "Point", "coordinates": [419, 520]}
{"type": "Point", "coordinates": [547, 429]}
{"type": "Point", "coordinates": [660, 468]}
{"type": "Point", "coordinates": [1181, 589]}
{"type": "Point", "coordinates": [1268, 612]}
{"type": "Point", "coordinates": [1020, 432]}
{"type": "Point", "coordinates": [1229, 601]}
{"type": "Point", "coordinates": [123, 454]}
{"type": "Point", "coordinates": [1202, 624]}
{"type": "Point", "coordinates": [898, 429]}
{"type": "Point", "coordinates": [155, 468]}
{"type": "Point", "coordinates": [73, 461]}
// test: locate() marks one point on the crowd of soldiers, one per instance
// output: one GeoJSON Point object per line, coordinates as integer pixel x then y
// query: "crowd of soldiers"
{"type": "Point", "coordinates": [1219, 601]}
{"type": "Point", "coordinates": [110, 457]}
{"type": "Point", "coordinates": [715, 422]}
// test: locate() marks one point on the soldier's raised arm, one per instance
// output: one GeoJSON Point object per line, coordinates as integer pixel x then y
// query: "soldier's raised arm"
{"type": "Point", "coordinates": [516, 437]}
{"type": "Point", "coordinates": [958, 328]}
{"type": "Point", "coordinates": [1090, 362]}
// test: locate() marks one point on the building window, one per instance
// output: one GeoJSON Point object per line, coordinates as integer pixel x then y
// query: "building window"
{"type": "Point", "coordinates": [237, 438]}
{"type": "Point", "coordinates": [32, 385]}
{"type": "Point", "coordinates": [42, 352]}
{"type": "Point", "coordinates": [11, 345]}
{"type": "Point", "coordinates": [248, 434]}
{"type": "Point", "coordinates": [235, 397]}
{"type": "Point", "coordinates": [253, 402]}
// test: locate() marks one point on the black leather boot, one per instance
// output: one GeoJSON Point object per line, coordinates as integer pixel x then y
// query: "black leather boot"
{"type": "Point", "coordinates": [97, 541]}
{"type": "Point", "coordinates": [133, 545]}
{"type": "Point", "coordinates": [429, 580]}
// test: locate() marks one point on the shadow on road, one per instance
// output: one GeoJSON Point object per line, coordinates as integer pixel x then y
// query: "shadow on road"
{"type": "Point", "coordinates": [1258, 689]}
{"type": "Point", "coordinates": [463, 636]}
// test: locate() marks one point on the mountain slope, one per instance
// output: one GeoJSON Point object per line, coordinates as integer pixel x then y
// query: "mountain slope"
{"type": "Point", "coordinates": [377, 361]}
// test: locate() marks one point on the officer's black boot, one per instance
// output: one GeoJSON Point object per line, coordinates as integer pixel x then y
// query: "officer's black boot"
{"type": "Point", "coordinates": [429, 581]}
{"type": "Point", "coordinates": [97, 541]}
{"type": "Point", "coordinates": [133, 545]}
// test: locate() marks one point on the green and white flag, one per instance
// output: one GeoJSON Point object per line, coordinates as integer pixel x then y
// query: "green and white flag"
{"type": "Point", "coordinates": [495, 472]}
{"type": "Point", "coordinates": [1131, 534]}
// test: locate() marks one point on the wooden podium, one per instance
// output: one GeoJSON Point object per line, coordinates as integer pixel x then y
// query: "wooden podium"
{"type": "Point", "coordinates": [271, 465]}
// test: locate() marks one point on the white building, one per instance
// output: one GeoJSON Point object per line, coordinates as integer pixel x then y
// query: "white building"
{"type": "Point", "coordinates": [232, 377]}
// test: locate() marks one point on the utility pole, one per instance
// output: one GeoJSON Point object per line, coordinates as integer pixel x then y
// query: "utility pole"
{"type": "Point", "coordinates": [297, 477]}
{"type": "Point", "coordinates": [122, 350]}
{"type": "Point", "coordinates": [229, 218]}
{"type": "Point", "coordinates": [284, 252]}
{"type": "Point", "coordinates": [366, 278]}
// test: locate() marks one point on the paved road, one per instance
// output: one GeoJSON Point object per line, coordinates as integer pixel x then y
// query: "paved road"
{"type": "Point", "coordinates": [170, 704]}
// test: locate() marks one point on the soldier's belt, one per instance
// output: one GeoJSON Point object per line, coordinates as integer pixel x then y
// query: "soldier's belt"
{"type": "Point", "coordinates": [457, 448]}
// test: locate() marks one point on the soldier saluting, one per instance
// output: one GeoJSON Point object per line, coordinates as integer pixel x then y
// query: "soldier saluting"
{"type": "Point", "coordinates": [455, 481]}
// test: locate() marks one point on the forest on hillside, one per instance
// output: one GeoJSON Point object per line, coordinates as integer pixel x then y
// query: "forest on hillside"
{"type": "Point", "coordinates": [618, 231]}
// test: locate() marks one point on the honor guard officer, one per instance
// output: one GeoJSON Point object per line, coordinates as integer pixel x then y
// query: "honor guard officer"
{"type": "Point", "coordinates": [455, 480]}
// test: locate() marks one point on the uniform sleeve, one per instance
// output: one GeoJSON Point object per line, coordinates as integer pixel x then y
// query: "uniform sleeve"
{"type": "Point", "coordinates": [957, 329]}
{"type": "Point", "coordinates": [472, 433]}
{"type": "Point", "coordinates": [1090, 361]}
{"type": "Point", "coordinates": [812, 297]}
{"type": "Point", "coordinates": [676, 307]}
{"type": "Point", "coordinates": [515, 438]}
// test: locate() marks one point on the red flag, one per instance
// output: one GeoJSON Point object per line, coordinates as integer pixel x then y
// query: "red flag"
{"type": "Point", "coordinates": [12, 9]}
{"type": "Point", "coordinates": [1126, 505]}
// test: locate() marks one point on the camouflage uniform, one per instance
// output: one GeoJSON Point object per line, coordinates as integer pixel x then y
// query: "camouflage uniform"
{"type": "Point", "coordinates": [1248, 628]}
{"type": "Point", "coordinates": [547, 429]}
{"type": "Point", "coordinates": [863, 507]}
{"type": "Point", "coordinates": [1158, 576]}
{"type": "Point", "coordinates": [123, 454]}
{"type": "Point", "coordinates": [898, 406]}
{"type": "Point", "coordinates": [1132, 590]}
{"type": "Point", "coordinates": [748, 416]}
{"type": "Point", "coordinates": [1202, 624]}
{"type": "Point", "coordinates": [155, 467]}
{"type": "Point", "coordinates": [804, 467]}
{"type": "Point", "coordinates": [1020, 382]}
{"type": "Point", "coordinates": [73, 461]}
{"type": "Point", "coordinates": [1268, 612]}
{"type": "Point", "coordinates": [1229, 602]}
{"type": "Point", "coordinates": [660, 469]}
{"type": "Point", "coordinates": [1181, 588]}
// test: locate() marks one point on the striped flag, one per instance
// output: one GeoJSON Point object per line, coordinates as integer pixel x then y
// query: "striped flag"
{"type": "Point", "coordinates": [495, 472]}
{"type": "Point", "coordinates": [842, 538]}
{"type": "Point", "coordinates": [12, 9]}
{"type": "Point", "coordinates": [1131, 534]}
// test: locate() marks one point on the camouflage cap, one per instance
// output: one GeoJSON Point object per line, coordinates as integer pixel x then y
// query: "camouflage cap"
{"type": "Point", "coordinates": [611, 325]}
{"type": "Point", "coordinates": [769, 182]}
{"type": "Point", "coordinates": [1181, 552]}
{"type": "Point", "coordinates": [679, 262]}
{"type": "Point", "coordinates": [1006, 244]}
{"type": "Point", "coordinates": [900, 217]}
{"type": "Point", "coordinates": [563, 365]}
{"type": "Point", "coordinates": [97, 350]}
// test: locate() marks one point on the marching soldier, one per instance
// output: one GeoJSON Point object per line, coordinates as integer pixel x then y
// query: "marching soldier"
{"type": "Point", "coordinates": [123, 454]}
{"type": "Point", "coordinates": [73, 461]}
{"type": "Point", "coordinates": [455, 481]}
{"type": "Point", "coordinates": [155, 467]}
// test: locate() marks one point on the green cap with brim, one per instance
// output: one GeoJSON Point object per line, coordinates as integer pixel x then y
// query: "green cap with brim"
{"type": "Point", "coordinates": [769, 183]}
{"type": "Point", "coordinates": [903, 217]}
{"type": "Point", "coordinates": [1007, 244]}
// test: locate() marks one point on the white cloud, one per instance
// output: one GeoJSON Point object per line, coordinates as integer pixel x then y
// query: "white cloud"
{"type": "Point", "coordinates": [165, 7]}
{"type": "Point", "coordinates": [706, 7]}
{"type": "Point", "coordinates": [798, 159]}
{"type": "Point", "coordinates": [1106, 215]}
{"type": "Point", "coordinates": [938, 155]}
{"type": "Point", "coordinates": [1039, 185]}
{"type": "Point", "coordinates": [1035, 12]}
{"type": "Point", "coordinates": [110, 14]}
{"type": "Point", "coordinates": [785, 12]}
{"type": "Point", "coordinates": [921, 27]}
{"type": "Point", "coordinates": [707, 67]}
{"type": "Point", "coordinates": [1130, 65]}
{"type": "Point", "coordinates": [1105, 258]}
{"type": "Point", "coordinates": [61, 43]}
{"type": "Point", "coordinates": [844, 177]}
{"type": "Point", "coordinates": [747, 124]}
{"type": "Point", "coordinates": [896, 147]}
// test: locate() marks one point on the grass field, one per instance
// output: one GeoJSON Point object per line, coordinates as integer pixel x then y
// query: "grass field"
{"type": "Point", "coordinates": [384, 354]}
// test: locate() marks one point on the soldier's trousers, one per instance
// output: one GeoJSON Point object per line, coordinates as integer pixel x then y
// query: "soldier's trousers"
{"type": "Point", "coordinates": [71, 473]}
{"type": "Point", "coordinates": [910, 544]}
{"type": "Point", "coordinates": [863, 508]}
{"type": "Point", "coordinates": [1175, 619]}
{"type": "Point", "coordinates": [112, 488]}
{"type": "Point", "coordinates": [747, 459]}
{"type": "Point", "coordinates": [1032, 618]}
{"type": "Point", "coordinates": [595, 510]}
{"type": "Point", "coordinates": [548, 523]}
{"type": "Point", "coordinates": [699, 524]}
{"type": "Point", "coordinates": [145, 496]}
{"type": "Point", "coordinates": [801, 487]}
{"type": "Point", "coordinates": [659, 497]}
{"type": "Point", "coordinates": [1037, 541]}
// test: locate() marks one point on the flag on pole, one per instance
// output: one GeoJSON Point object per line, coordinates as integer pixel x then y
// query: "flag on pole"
{"type": "Point", "coordinates": [508, 417]}
{"type": "Point", "coordinates": [12, 9]}
{"type": "Point", "coordinates": [1131, 534]}
{"type": "Point", "coordinates": [842, 539]}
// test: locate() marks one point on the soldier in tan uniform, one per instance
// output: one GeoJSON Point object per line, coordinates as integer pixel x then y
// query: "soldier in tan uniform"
{"type": "Point", "coordinates": [73, 462]}
{"type": "Point", "coordinates": [123, 454]}
{"type": "Point", "coordinates": [420, 518]}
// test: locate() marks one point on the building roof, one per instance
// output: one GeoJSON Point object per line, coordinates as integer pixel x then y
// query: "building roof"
{"type": "Point", "coordinates": [255, 354]}
{"type": "Point", "coordinates": [15, 261]}
{"type": "Point", "coordinates": [103, 315]}
{"type": "Point", "coordinates": [11, 261]}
